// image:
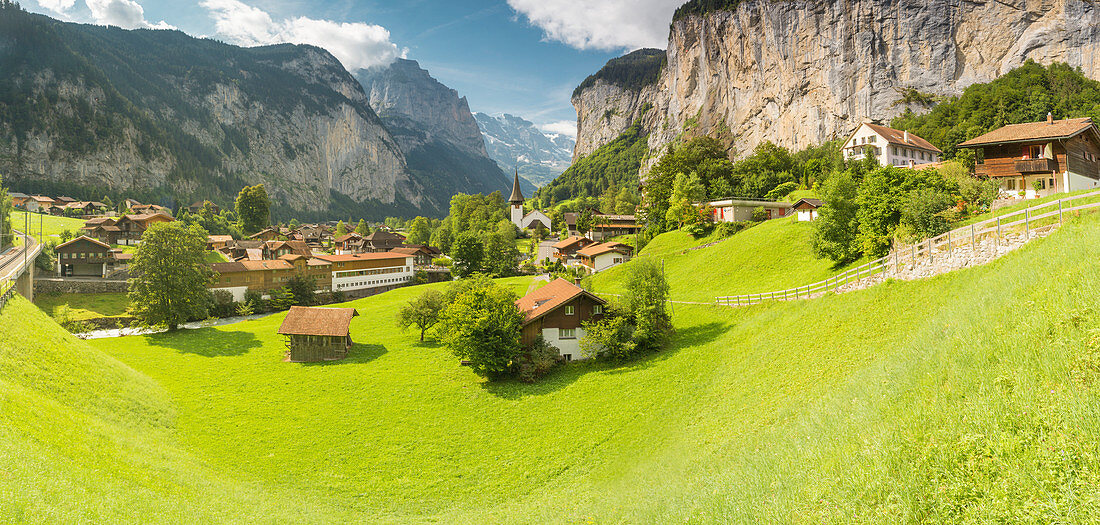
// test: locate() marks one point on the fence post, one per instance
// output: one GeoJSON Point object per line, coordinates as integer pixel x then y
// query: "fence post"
{"type": "Point", "coordinates": [973, 240]}
{"type": "Point", "coordinates": [929, 250]}
{"type": "Point", "coordinates": [948, 242]}
{"type": "Point", "coordinates": [897, 265]}
{"type": "Point", "coordinates": [1059, 211]}
{"type": "Point", "coordinates": [1027, 224]}
{"type": "Point", "coordinates": [998, 231]}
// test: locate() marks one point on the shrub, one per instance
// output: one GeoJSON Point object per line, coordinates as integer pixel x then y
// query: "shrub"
{"type": "Point", "coordinates": [759, 214]}
{"type": "Point", "coordinates": [441, 261]}
{"type": "Point", "coordinates": [537, 361]}
{"type": "Point", "coordinates": [282, 299]}
{"type": "Point", "coordinates": [481, 325]}
{"type": "Point", "coordinates": [612, 336]}
{"type": "Point", "coordinates": [256, 302]}
{"type": "Point", "coordinates": [303, 289]}
{"type": "Point", "coordinates": [223, 305]}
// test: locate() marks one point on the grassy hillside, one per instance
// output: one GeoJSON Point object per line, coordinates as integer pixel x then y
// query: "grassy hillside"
{"type": "Point", "coordinates": [970, 397]}
{"type": "Point", "coordinates": [770, 256]}
{"type": "Point", "coordinates": [49, 225]}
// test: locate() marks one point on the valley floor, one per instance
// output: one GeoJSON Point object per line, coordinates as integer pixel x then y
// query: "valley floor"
{"type": "Point", "coordinates": [969, 397]}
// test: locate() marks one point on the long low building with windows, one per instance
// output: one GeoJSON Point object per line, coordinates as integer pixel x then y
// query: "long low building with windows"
{"type": "Point", "coordinates": [363, 274]}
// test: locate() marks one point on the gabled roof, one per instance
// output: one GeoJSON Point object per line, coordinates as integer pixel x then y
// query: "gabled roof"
{"type": "Point", "coordinates": [307, 320]}
{"type": "Point", "coordinates": [569, 242]}
{"type": "Point", "coordinates": [594, 250]}
{"type": "Point", "coordinates": [382, 235]}
{"type": "Point", "coordinates": [250, 266]}
{"type": "Point", "coordinates": [814, 203]}
{"type": "Point", "coordinates": [1013, 133]}
{"type": "Point", "coordinates": [897, 137]}
{"type": "Point", "coordinates": [85, 238]}
{"type": "Point", "coordinates": [348, 236]}
{"type": "Point", "coordinates": [263, 231]}
{"type": "Point", "coordinates": [548, 298]}
{"type": "Point", "coordinates": [220, 238]}
{"type": "Point", "coordinates": [17, 195]}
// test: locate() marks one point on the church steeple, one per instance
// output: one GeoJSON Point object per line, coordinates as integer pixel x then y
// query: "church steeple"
{"type": "Point", "coordinates": [517, 196]}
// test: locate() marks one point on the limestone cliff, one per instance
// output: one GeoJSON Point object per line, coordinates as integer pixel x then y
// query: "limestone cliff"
{"type": "Point", "coordinates": [164, 117]}
{"type": "Point", "coordinates": [800, 72]}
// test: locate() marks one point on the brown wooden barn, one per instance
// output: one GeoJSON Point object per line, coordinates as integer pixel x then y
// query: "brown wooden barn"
{"type": "Point", "coordinates": [317, 334]}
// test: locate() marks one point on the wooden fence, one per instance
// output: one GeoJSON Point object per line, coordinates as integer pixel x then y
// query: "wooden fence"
{"type": "Point", "coordinates": [1028, 222]}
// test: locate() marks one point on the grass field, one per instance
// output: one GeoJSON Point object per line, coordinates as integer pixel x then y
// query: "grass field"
{"type": "Point", "coordinates": [49, 225]}
{"type": "Point", "coordinates": [969, 397]}
{"type": "Point", "coordinates": [83, 306]}
{"type": "Point", "coordinates": [772, 255]}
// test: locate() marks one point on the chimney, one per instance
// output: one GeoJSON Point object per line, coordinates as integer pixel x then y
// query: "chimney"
{"type": "Point", "coordinates": [906, 139]}
{"type": "Point", "coordinates": [1050, 118]}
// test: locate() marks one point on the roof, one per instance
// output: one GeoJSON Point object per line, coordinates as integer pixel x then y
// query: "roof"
{"type": "Point", "coordinates": [382, 235]}
{"type": "Point", "coordinates": [816, 203]}
{"type": "Point", "coordinates": [407, 250]}
{"type": "Point", "coordinates": [517, 195]}
{"type": "Point", "coordinates": [348, 236]}
{"type": "Point", "coordinates": [86, 238]}
{"type": "Point", "coordinates": [250, 266]}
{"type": "Point", "coordinates": [1059, 129]}
{"type": "Point", "coordinates": [363, 256]}
{"type": "Point", "coordinates": [98, 220]}
{"type": "Point", "coordinates": [602, 248]}
{"type": "Point", "coordinates": [307, 320]}
{"type": "Point", "coordinates": [549, 297]}
{"type": "Point", "coordinates": [65, 199]}
{"type": "Point", "coordinates": [291, 257]}
{"type": "Point", "coordinates": [263, 231]}
{"type": "Point", "coordinates": [754, 203]}
{"type": "Point", "coordinates": [142, 217]}
{"type": "Point", "coordinates": [897, 137]}
{"type": "Point", "coordinates": [17, 195]}
{"type": "Point", "coordinates": [220, 238]}
{"type": "Point", "coordinates": [569, 242]}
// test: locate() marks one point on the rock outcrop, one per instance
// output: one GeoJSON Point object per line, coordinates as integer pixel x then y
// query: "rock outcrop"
{"type": "Point", "coordinates": [798, 72]}
{"type": "Point", "coordinates": [164, 117]}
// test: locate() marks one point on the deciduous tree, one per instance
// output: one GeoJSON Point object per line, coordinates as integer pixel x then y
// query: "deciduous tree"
{"type": "Point", "coordinates": [482, 326]}
{"type": "Point", "coordinates": [253, 208]}
{"type": "Point", "coordinates": [168, 275]}
{"type": "Point", "coordinates": [419, 231]}
{"type": "Point", "coordinates": [422, 312]}
{"type": "Point", "coordinates": [468, 254]}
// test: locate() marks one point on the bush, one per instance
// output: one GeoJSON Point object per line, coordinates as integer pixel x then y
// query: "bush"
{"type": "Point", "coordinates": [697, 230]}
{"type": "Point", "coordinates": [537, 361]}
{"type": "Point", "coordinates": [256, 301]}
{"type": "Point", "coordinates": [612, 336]}
{"type": "Point", "coordinates": [282, 299]}
{"type": "Point", "coordinates": [303, 289]}
{"type": "Point", "coordinates": [223, 305]}
{"type": "Point", "coordinates": [759, 214]}
{"type": "Point", "coordinates": [726, 229]}
{"type": "Point", "coordinates": [441, 261]}
{"type": "Point", "coordinates": [781, 191]}
{"type": "Point", "coordinates": [47, 258]}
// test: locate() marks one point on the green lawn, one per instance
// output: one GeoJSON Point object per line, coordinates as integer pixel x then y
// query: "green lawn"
{"type": "Point", "coordinates": [49, 225]}
{"type": "Point", "coordinates": [772, 255]}
{"type": "Point", "coordinates": [83, 306]}
{"type": "Point", "coordinates": [214, 256]}
{"type": "Point", "coordinates": [969, 397]}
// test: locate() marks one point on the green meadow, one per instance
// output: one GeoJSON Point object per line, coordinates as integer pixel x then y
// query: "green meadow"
{"type": "Point", "coordinates": [49, 225]}
{"type": "Point", "coordinates": [969, 397]}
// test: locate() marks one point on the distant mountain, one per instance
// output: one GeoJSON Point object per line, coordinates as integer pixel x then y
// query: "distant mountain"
{"type": "Point", "coordinates": [435, 130]}
{"type": "Point", "coordinates": [515, 142]}
{"type": "Point", "coordinates": [162, 116]}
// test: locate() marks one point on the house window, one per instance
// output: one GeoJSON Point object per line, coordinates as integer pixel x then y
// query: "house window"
{"type": "Point", "coordinates": [597, 309]}
{"type": "Point", "coordinates": [1051, 184]}
{"type": "Point", "coordinates": [1011, 185]}
{"type": "Point", "coordinates": [922, 155]}
{"type": "Point", "coordinates": [568, 357]}
{"type": "Point", "coordinates": [1041, 184]}
{"type": "Point", "coordinates": [568, 310]}
{"type": "Point", "coordinates": [1033, 152]}
{"type": "Point", "coordinates": [567, 333]}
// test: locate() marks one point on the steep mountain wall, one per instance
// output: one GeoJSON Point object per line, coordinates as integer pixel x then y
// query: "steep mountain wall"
{"type": "Point", "coordinates": [802, 72]}
{"type": "Point", "coordinates": [515, 142]}
{"type": "Point", "coordinates": [164, 116]}
{"type": "Point", "coordinates": [436, 131]}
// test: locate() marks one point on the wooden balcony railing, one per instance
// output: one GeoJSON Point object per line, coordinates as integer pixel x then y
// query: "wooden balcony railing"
{"type": "Point", "coordinates": [1036, 165]}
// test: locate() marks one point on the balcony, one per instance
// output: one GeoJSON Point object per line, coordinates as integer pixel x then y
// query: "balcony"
{"type": "Point", "coordinates": [1036, 166]}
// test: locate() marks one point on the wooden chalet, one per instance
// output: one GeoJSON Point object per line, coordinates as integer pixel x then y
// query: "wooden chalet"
{"type": "Point", "coordinates": [87, 257]}
{"type": "Point", "coordinates": [603, 255]}
{"type": "Point", "coordinates": [567, 248]}
{"type": "Point", "coordinates": [423, 254]}
{"type": "Point", "coordinates": [146, 209]}
{"type": "Point", "coordinates": [608, 226]}
{"type": "Point", "coordinates": [383, 241]}
{"type": "Point", "coordinates": [317, 334]}
{"type": "Point", "coordinates": [266, 234]}
{"type": "Point", "coordinates": [556, 312]}
{"type": "Point", "coordinates": [1037, 159]}
{"type": "Point", "coordinates": [807, 209]}
{"type": "Point", "coordinates": [347, 243]}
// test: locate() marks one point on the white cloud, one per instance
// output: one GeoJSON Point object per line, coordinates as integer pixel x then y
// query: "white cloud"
{"type": "Point", "coordinates": [605, 24]}
{"type": "Point", "coordinates": [562, 127]}
{"type": "Point", "coordinates": [57, 6]}
{"type": "Point", "coordinates": [356, 45]}
{"type": "Point", "coordinates": [126, 14]}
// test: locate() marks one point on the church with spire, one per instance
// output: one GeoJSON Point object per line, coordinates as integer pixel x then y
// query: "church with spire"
{"type": "Point", "coordinates": [529, 220]}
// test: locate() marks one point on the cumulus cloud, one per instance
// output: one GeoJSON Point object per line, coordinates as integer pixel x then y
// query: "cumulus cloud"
{"type": "Point", "coordinates": [606, 24]}
{"type": "Point", "coordinates": [562, 127]}
{"type": "Point", "coordinates": [57, 6]}
{"type": "Point", "coordinates": [126, 14]}
{"type": "Point", "coordinates": [356, 45]}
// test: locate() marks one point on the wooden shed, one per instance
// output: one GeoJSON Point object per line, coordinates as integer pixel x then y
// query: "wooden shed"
{"type": "Point", "coordinates": [317, 334]}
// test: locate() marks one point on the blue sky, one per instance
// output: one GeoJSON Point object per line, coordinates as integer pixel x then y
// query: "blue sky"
{"type": "Point", "coordinates": [510, 56]}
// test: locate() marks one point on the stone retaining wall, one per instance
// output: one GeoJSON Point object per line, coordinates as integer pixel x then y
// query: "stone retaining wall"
{"type": "Point", "coordinates": [58, 286]}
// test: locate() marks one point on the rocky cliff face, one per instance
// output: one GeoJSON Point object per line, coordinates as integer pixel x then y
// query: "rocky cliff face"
{"type": "Point", "coordinates": [798, 72]}
{"type": "Point", "coordinates": [435, 129]}
{"type": "Point", "coordinates": [166, 117]}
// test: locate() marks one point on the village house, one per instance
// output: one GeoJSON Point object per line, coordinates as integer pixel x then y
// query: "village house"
{"type": "Point", "coordinates": [608, 226]}
{"type": "Point", "coordinates": [1037, 159]}
{"type": "Point", "coordinates": [556, 312]}
{"type": "Point", "coordinates": [315, 235]}
{"type": "Point", "coordinates": [807, 209]}
{"type": "Point", "coordinates": [258, 276]}
{"type": "Point", "coordinates": [276, 249]}
{"type": "Point", "coordinates": [21, 201]}
{"type": "Point", "coordinates": [42, 203]}
{"type": "Point", "coordinates": [423, 255]}
{"type": "Point", "coordinates": [87, 257]}
{"type": "Point", "coordinates": [85, 208]}
{"type": "Point", "coordinates": [148, 209]}
{"type": "Point", "coordinates": [217, 242]}
{"type": "Point", "coordinates": [603, 255]}
{"type": "Point", "coordinates": [363, 274]}
{"type": "Point", "coordinates": [317, 334]}
{"type": "Point", "coordinates": [63, 200]}
{"type": "Point", "coordinates": [347, 243]}
{"type": "Point", "coordinates": [319, 270]}
{"type": "Point", "coordinates": [266, 234]}
{"type": "Point", "coordinates": [196, 207]}
{"type": "Point", "coordinates": [247, 249]}
{"type": "Point", "coordinates": [572, 218]}
{"type": "Point", "coordinates": [737, 210]}
{"type": "Point", "coordinates": [382, 241]}
{"type": "Point", "coordinates": [891, 147]}
{"type": "Point", "coordinates": [126, 230]}
{"type": "Point", "coordinates": [566, 249]}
